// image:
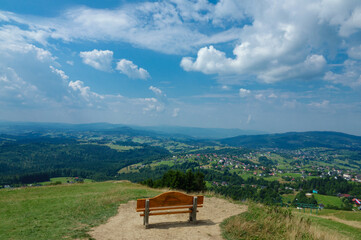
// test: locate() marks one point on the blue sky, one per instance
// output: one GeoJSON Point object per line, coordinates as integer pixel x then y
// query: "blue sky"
{"type": "Point", "coordinates": [273, 66]}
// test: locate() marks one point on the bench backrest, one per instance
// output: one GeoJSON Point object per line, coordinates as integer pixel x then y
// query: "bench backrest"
{"type": "Point", "coordinates": [169, 199]}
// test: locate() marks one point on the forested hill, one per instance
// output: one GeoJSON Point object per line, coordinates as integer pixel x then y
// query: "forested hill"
{"type": "Point", "coordinates": [296, 140]}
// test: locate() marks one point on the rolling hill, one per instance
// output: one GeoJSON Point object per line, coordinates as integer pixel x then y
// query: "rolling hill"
{"type": "Point", "coordinates": [296, 140]}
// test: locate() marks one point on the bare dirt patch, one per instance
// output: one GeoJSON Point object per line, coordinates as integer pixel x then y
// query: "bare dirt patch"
{"type": "Point", "coordinates": [127, 224]}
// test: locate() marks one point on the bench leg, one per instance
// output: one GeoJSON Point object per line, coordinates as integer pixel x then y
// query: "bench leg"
{"type": "Point", "coordinates": [193, 214]}
{"type": "Point", "coordinates": [146, 214]}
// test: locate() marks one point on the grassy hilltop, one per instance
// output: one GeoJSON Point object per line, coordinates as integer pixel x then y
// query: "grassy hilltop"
{"type": "Point", "coordinates": [69, 211]}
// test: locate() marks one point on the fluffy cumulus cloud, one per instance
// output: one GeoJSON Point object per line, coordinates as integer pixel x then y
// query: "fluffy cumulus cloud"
{"type": "Point", "coordinates": [131, 70]}
{"type": "Point", "coordinates": [84, 91]}
{"type": "Point", "coordinates": [274, 40]}
{"type": "Point", "coordinates": [98, 59]}
{"type": "Point", "coordinates": [245, 43]}
{"type": "Point", "coordinates": [280, 43]}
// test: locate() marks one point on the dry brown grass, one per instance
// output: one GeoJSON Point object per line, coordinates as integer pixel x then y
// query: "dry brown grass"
{"type": "Point", "coordinates": [274, 223]}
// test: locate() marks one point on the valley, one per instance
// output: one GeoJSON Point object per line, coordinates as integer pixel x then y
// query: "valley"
{"type": "Point", "coordinates": [328, 176]}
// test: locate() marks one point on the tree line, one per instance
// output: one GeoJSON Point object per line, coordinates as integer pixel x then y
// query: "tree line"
{"type": "Point", "coordinates": [176, 179]}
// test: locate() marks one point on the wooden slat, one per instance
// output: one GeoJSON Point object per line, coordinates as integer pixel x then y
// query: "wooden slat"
{"type": "Point", "coordinates": [169, 199]}
{"type": "Point", "coordinates": [164, 213]}
{"type": "Point", "coordinates": [167, 208]}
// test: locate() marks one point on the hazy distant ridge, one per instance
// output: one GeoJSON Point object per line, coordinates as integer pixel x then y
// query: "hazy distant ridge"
{"type": "Point", "coordinates": [187, 132]}
{"type": "Point", "coordinates": [294, 140]}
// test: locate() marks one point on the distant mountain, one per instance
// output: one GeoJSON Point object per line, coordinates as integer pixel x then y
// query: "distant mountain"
{"type": "Point", "coordinates": [25, 127]}
{"type": "Point", "coordinates": [296, 140]}
{"type": "Point", "coordinates": [200, 133]}
{"type": "Point", "coordinates": [132, 130]}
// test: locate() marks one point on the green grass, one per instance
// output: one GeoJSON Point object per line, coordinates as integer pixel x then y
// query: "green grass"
{"type": "Point", "coordinates": [247, 175]}
{"type": "Point", "coordinates": [122, 148]}
{"type": "Point", "coordinates": [351, 232]}
{"type": "Point", "coordinates": [288, 197]}
{"type": "Point", "coordinates": [325, 200]}
{"type": "Point", "coordinates": [262, 222]}
{"type": "Point", "coordinates": [62, 211]}
{"type": "Point", "coordinates": [64, 180]}
{"type": "Point", "coordinates": [328, 200]}
{"type": "Point", "coordinates": [345, 215]}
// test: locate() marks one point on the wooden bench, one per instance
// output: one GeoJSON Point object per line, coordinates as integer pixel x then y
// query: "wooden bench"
{"type": "Point", "coordinates": [164, 202]}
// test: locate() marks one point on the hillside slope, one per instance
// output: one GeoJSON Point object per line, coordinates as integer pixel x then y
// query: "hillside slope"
{"type": "Point", "coordinates": [296, 140]}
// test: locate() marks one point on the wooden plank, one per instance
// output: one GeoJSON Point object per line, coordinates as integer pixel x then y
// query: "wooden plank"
{"type": "Point", "coordinates": [166, 213]}
{"type": "Point", "coordinates": [167, 208]}
{"type": "Point", "coordinates": [169, 199]}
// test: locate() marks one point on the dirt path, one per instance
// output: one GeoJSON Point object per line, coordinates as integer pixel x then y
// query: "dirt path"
{"type": "Point", "coordinates": [127, 224]}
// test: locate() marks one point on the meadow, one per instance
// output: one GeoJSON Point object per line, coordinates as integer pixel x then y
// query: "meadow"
{"type": "Point", "coordinates": [65, 211]}
{"type": "Point", "coordinates": [69, 211]}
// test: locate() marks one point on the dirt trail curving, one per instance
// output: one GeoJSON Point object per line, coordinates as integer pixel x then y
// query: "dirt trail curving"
{"type": "Point", "coordinates": [127, 224]}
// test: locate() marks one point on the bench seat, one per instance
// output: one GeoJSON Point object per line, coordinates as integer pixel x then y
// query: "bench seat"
{"type": "Point", "coordinates": [165, 203]}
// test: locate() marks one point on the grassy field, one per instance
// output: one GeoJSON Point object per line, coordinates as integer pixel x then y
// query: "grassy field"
{"type": "Point", "coordinates": [345, 215]}
{"type": "Point", "coordinates": [288, 197]}
{"type": "Point", "coordinates": [64, 180]}
{"type": "Point", "coordinates": [62, 211]}
{"type": "Point", "coordinates": [325, 200]}
{"type": "Point", "coordinates": [122, 148]}
{"type": "Point", "coordinates": [328, 200]}
{"type": "Point", "coordinates": [344, 229]}
{"type": "Point", "coordinates": [261, 222]}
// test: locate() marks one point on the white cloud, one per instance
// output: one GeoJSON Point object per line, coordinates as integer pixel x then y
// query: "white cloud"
{"type": "Point", "coordinates": [210, 61]}
{"type": "Point", "coordinates": [244, 92]}
{"type": "Point", "coordinates": [98, 59]}
{"type": "Point", "coordinates": [272, 95]}
{"type": "Point", "coordinates": [15, 91]}
{"type": "Point", "coordinates": [313, 66]}
{"type": "Point", "coordinates": [156, 90]}
{"type": "Point", "coordinates": [351, 75]}
{"type": "Point", "coordinates": [323, 104]}
{"type": "Point", "coordinates": [169, 27]}
{"type": "Point", "coordinates": [71, 63]}
{"type": "Point", "coordinates": [346, 15]}
{"type": "Point", "coordinates": [355, 52]}
{"type": "Point", "coordinates": [84, 91]}
{"type": "Point", "coordinates": [151, 105]}
{"type": "Point", "coordinates": [131, 70]}
{"type": "Point", "coordinates": [280, 43]}
{"type": "Point", "coordinates": [61, 73]}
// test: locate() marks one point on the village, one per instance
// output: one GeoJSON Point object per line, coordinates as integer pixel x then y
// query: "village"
{"type": "Point", "coordinates": [272, 166]}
